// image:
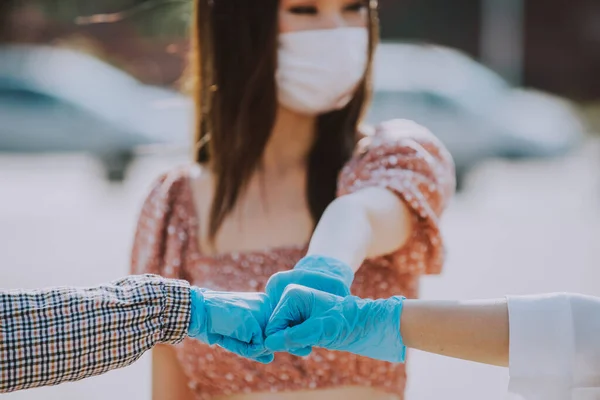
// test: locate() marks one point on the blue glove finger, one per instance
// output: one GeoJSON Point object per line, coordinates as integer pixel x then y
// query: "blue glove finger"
{"type": "Point", "coordinates": [213, 338]}
{"type": "Point", "coordinates": [253, 351]}
{"type": "Point", "coordinates": [276, 342]}
{"type": "Point", "coordinates": [298, 337]}
{"type": "Point", "coordinates": [266, 359]}
{"type": "Point", "coordinates": [303, 352]}
{"type": "Point", "coordinates": [291, 310]}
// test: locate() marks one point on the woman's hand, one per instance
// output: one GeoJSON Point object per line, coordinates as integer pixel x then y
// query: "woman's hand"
{"type": "Point", "coordinates": [234, 321]}
{"type": "Point", "coordinates": [306, 317]}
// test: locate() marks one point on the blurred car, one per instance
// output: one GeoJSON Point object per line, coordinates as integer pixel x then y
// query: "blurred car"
{"type": "Point", "coordinates": [468, 107]}
{"type": "Point", "coordinates": [59, 100]}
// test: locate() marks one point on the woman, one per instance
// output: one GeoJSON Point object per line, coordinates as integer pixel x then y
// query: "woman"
{"type": "Point", "coordinates": [280, 90]}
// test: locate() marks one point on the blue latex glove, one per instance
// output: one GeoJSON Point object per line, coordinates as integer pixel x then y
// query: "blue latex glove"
{"type": "Point", "coordinates": [306, 317]}
{"type": "Point", "coordinates": [317, 272]}
{"type": "Point", "coordinates": [234, 321]}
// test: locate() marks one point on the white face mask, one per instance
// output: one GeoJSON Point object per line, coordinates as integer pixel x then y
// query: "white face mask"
{"type": "Point", "coordinates": [319, 70]}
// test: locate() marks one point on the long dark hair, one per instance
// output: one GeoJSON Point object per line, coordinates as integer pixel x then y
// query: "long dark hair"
{"type": "Point", "coordinates": [233, 65]}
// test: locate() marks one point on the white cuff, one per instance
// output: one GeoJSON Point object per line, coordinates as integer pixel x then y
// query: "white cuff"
{"type": "Point", "coordinates": [542, 345]}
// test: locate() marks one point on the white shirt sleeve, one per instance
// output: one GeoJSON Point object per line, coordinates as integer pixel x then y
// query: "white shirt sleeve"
{"type": "Point", "coordinates": [555, 347]}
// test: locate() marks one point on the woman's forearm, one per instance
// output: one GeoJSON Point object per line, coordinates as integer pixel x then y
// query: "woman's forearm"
{"type": "Point", "coordinates": [343, 233]}
{"type": "Point", "coordinates": [471, 330]}
{"type": "Point", "coordinates": [369, 223]}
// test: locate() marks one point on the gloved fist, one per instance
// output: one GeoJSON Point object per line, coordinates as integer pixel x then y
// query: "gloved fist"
{"type": "Point", "coordinates": [306, 317]}
{"type": "Point", "coordinates": [234, 321]}
{"type": "Point", "coordinates": [322, 273]}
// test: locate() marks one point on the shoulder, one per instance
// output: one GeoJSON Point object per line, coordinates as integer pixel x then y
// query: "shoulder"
{"type": "Point", "coordinates": [402, 139]}
{"type": "Point", "coordinates": [171, 186]}
{"type": "Point", "coordinates": [172, 181]}
{"type": "Point", "coordinates": [188, 187]}
{"type": "Point", "coordinates": [396, 153]}
{"type": "Point", "coordinates": [394, 133]}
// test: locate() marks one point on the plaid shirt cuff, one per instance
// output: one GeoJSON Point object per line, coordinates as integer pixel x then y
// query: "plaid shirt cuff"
{"type": "Point", "coordinates": [177, 311]}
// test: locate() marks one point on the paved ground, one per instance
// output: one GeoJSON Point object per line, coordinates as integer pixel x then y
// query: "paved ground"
{"type": "Point", "coordinates": [521, 228]}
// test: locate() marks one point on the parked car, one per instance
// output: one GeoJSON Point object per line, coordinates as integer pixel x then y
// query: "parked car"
{"type": "Point", "coordinates": [473, 111]}
{"type": "Point", "coordinates": [58, 100]}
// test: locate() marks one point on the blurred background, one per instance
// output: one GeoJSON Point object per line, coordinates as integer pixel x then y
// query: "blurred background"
{"type": "Point", "coordinates": [91, 111]}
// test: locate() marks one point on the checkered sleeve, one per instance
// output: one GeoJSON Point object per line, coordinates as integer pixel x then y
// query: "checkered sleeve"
{"type": "Point", "coordinates": [57, 335]}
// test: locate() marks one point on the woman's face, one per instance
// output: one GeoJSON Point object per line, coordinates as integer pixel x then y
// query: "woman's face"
{"type": "Point", "coordinates": [305, 15]}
